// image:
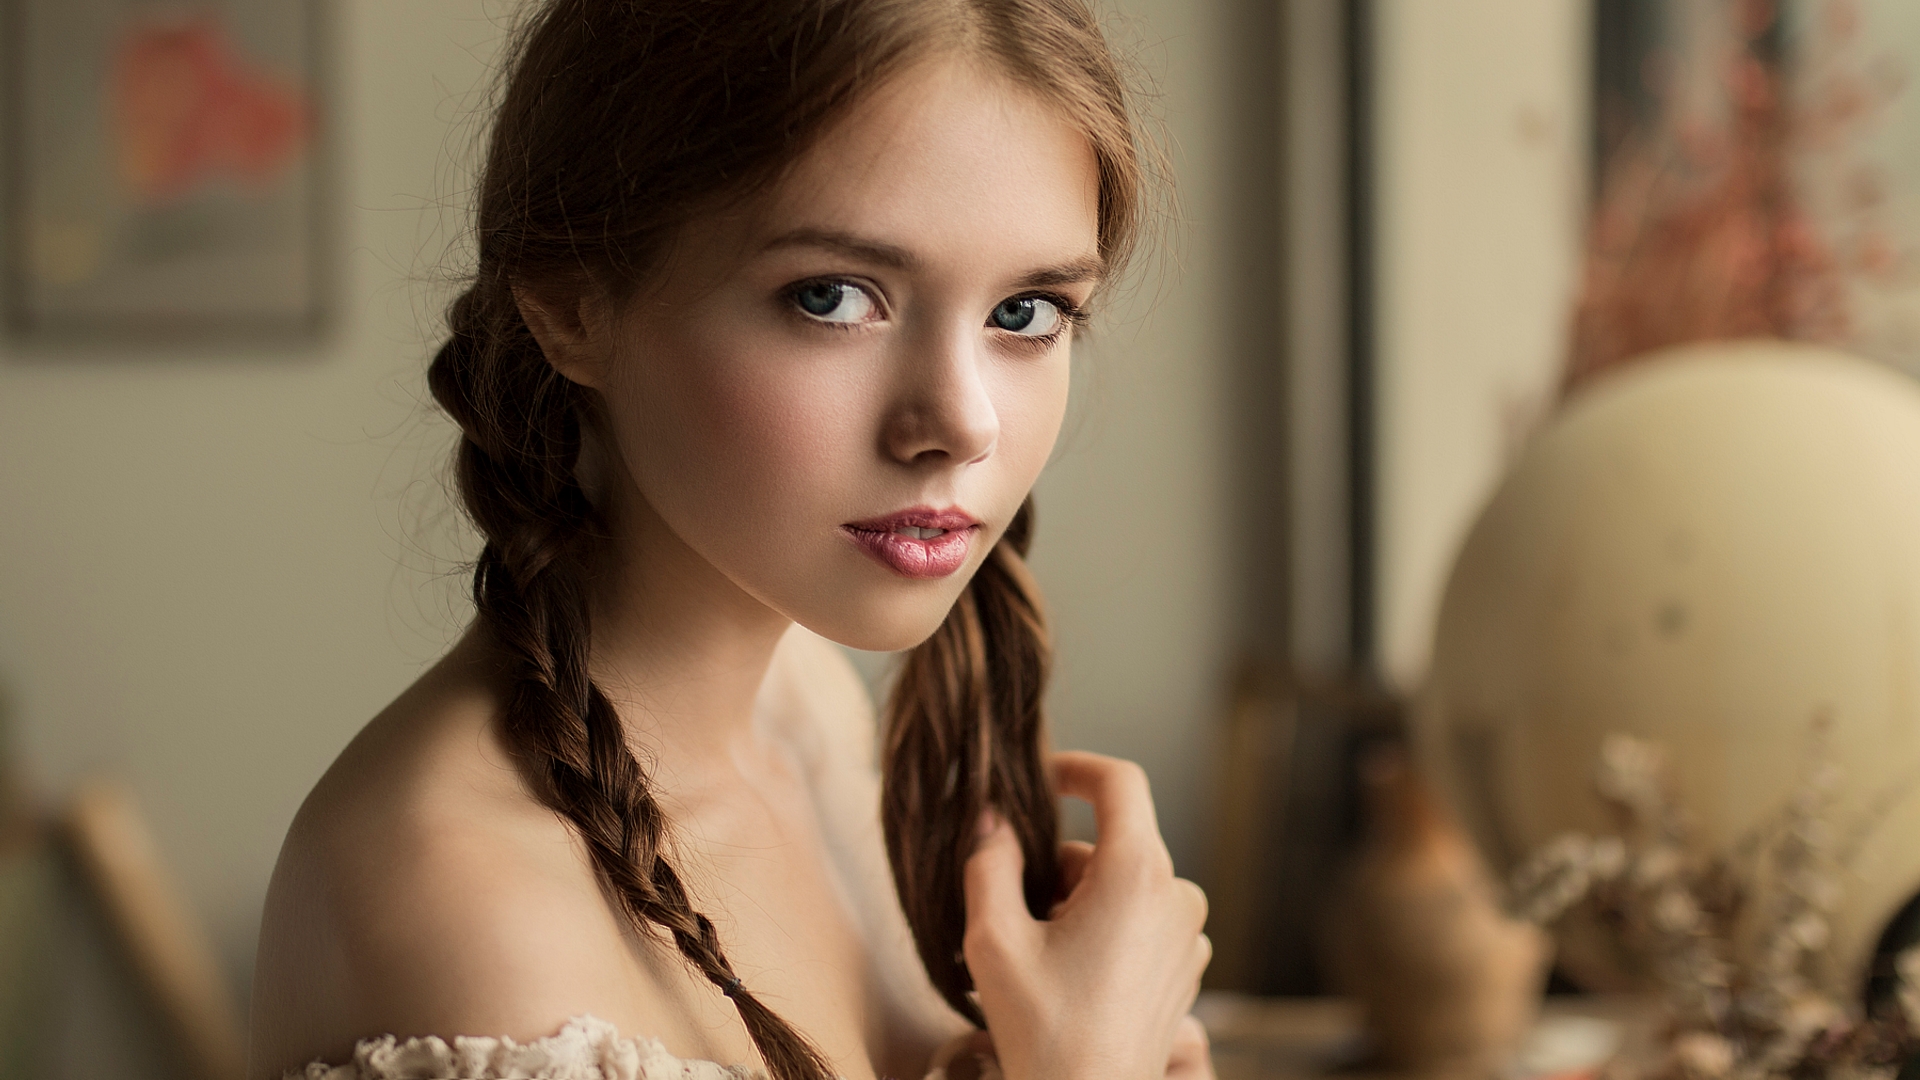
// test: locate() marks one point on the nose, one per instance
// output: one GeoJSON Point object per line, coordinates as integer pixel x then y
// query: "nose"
{"type": "Point", "coordinates": [941, 409]}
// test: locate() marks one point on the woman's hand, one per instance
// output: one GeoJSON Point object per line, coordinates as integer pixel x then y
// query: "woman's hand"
{"type": "Point", "coordinates": [1192, 1057]}
{"type": "Point", "coordinates": [1103, 988]}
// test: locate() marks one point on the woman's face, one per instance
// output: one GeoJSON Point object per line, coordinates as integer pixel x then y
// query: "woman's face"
{"type": "Point", "coordinates": [838, 396]}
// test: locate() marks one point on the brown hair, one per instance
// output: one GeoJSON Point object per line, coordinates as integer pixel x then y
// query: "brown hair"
{"type": "Point", "coordinates": [619, 121]}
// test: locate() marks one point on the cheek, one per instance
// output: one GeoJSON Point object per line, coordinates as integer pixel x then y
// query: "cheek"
{"type": "Point", "coordinates": [718, 429]}
{"type": "Point", "coordinates": [1031, 401]}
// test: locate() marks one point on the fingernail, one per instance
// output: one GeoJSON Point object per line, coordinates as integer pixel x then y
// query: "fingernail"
{"type": "Point", "coordinates": [989, 821]}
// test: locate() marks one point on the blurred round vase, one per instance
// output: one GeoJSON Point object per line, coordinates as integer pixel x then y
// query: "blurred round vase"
{"type": "Point", "coordinates": [1712, 550]}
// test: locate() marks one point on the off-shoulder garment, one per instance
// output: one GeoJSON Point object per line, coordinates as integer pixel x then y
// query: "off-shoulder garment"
{"type": "Point", "coordinates": [586, 1048]}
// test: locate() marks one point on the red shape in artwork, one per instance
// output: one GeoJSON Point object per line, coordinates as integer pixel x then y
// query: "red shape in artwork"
{"type": "Point", "coordinates": [187, 108]}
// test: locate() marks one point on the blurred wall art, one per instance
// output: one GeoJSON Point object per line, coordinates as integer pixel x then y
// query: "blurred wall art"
{"type": "Point", "coordinates": [163, 182]}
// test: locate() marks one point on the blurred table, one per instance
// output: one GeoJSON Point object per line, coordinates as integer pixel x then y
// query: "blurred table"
{"type": "Point", "coordinates": [1304, 1038]}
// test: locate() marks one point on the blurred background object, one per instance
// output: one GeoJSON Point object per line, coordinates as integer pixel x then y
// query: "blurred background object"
{"type": "Point", "coordinates": [1417, 932]}
{"type": "Point", "coordinates": [171, 958]}
{"type": "Point", "coordinates": [1735, 942]}
{"type": "Point", "coordinates": [1712, 549]}
{"type": "Point", "coordinates": [1755, 180]}
{"type": "Point", "coordinates": [165, 178]}
{"type": "Point", "coordinates": [105, 971]}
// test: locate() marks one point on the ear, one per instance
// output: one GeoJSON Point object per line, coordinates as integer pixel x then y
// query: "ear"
{"type": "Point", "coordinates": [569, 332]}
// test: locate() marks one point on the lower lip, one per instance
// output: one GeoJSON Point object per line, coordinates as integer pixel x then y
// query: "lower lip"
{"type": "Point", "coordinates": [908, 557]}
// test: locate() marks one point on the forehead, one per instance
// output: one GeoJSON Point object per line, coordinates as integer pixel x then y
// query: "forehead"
{"type": "Point", "coordinates": [948, 158]}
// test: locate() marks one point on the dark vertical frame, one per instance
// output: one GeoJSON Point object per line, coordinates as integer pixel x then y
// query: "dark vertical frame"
{"type": "Point", "coordinates": [1362, 618]}
{"type": "Point", "coordinates": [1625, 33]}
{"type": "Point", "coordinates": [1304, 706]}
{"type": "Point", "coordinates": [1255, 203]}
{"type": "Point", "coordinates": [13, 157]}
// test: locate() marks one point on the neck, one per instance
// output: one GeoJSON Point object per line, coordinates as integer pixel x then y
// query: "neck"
{"type": "Point", "coordinates": [679, 648]}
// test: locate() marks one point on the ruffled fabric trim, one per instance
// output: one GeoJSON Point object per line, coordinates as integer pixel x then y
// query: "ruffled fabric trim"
{"type": "Point", "coordinates": [587, 1048]}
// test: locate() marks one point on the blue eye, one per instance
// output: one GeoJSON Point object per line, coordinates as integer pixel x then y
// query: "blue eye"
{"type": "Point", "coordinates": [1029, 316]}
{"type": "Point", "coordinates": [835, 301]}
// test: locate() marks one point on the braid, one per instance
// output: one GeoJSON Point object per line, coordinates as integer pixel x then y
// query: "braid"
{"type": "Point", "coordinates": [516, 478]}
{"type": "Point", "coordinates": [965, 731]}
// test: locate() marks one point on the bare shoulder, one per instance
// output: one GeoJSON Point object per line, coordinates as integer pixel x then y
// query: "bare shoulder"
{"type": "Point", "coordinates": [423, 890]}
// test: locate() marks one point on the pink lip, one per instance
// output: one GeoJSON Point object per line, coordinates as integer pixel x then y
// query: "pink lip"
{"type": "Point", "coordinates": [910, 556]}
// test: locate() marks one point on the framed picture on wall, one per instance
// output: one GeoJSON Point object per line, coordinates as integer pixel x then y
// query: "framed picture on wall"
{"type": "Point", "coordinates": [163, 174]}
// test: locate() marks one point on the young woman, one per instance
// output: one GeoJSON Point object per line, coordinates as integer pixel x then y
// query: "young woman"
{"type": "Point", "coordinates": [767, 343]}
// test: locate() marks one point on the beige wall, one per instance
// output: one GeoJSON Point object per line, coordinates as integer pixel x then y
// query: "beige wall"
{"type": "Point", "coordinates": [214, 569]}
{"type": "Point", "coordinates": [1133, 546]}
{"type": "Point", "coordinates": [1480, 195]}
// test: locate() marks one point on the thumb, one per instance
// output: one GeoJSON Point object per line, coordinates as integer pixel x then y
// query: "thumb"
{"type": "Point", "coordinates": [1074, 857]}
{"type": "Point", "coordinates": [994, 890]}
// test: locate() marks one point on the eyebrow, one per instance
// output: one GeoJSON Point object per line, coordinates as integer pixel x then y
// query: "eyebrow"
{"type": "Point", "coordinates": [1079, 271]}
{"type": "Point", "coordinates": [1072, 272]}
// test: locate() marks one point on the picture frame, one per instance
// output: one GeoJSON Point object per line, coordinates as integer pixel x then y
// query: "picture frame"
{"type": "Point", "coordinates": [164, 171]}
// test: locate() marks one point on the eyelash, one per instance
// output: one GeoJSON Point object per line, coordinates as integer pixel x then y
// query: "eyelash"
{"type": "Point", "coordinates": [1072, 315]}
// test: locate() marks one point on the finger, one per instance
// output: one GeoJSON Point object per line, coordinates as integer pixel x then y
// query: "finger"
{"type": "Point", "coordinates": [972, 1043]}
{"type": "Point", "coordinates": [1190, 1037]}
{"type": "Point", "coordinates": [1195, 899]}
{"type": "Point", "coordinates": [1202, 956]}
{"type": "Point", "coordinates": [1117, 789]}
{"type": "Point", "coordinates": [1190, 1059]}
{"type": "Point", "coordinates": [994, 891]}
{"type": "Point", "coordinates": [1199, 955]}
{"type": "Point", "coordinates": [1074, 855]}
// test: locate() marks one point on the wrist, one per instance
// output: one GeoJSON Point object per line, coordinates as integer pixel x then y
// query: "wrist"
{"type": "Point", "coordinates": [1082, 1063]}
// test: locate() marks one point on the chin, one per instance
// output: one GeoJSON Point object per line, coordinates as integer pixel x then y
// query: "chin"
{"type": "Point", "coordinates": [884, 620]}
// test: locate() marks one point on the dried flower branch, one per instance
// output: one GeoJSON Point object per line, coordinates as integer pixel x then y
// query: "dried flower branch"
{"type": "Point", "coordinates": [1737, 941]}
{"type": "Point", "coordinates": [1704, 227]}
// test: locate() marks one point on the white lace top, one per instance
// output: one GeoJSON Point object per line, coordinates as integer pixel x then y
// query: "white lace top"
{"type": "Point", "coordinates": [587, 1048]}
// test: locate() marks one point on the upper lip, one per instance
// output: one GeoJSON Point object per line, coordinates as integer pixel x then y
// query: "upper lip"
{"type": "Point", "coordinates": [919, 517]}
